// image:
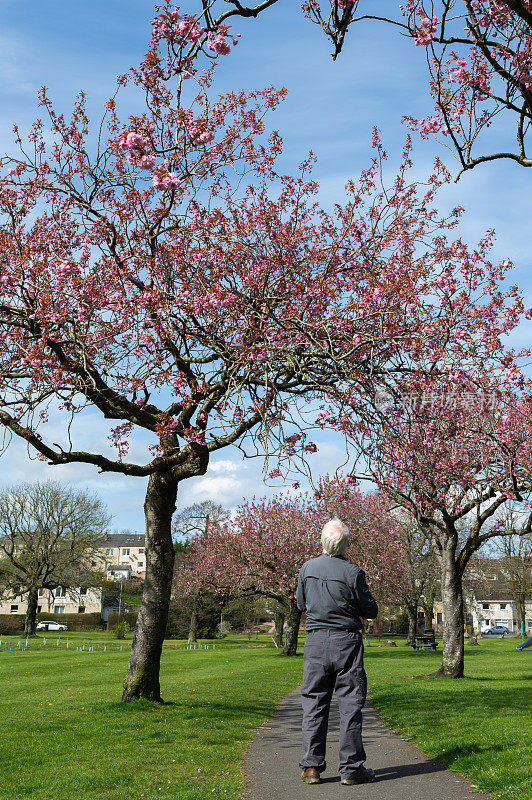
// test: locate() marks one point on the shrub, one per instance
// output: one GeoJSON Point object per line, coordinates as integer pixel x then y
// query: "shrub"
{"type": "Point", "coordinates": [11, 624]}
{"type": "Point", "coordinates": [129, 617]}
{"type": "Point", "coordinates": [120, 630]}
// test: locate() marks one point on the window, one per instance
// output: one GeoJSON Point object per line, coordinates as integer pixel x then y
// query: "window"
{"type": "Point", "coordinates": [14, 609]}
{"type": "Point", "coordinates": [81, 609]}
{"type": "Point", "coordinates": [83, 590]}
{"type": "Point", "coordinates": [141, 551]}
{"type": "Point", "coordinates": [503, 606]}
{"type": "Point", "coordinates": [59, 609]}
{"type": "Point", "coordinates": [125, 551]}
{"type": "Point", "coordinates": [40, 593]}
{"type": "Point", "coordinates": [109, 551]}
{"type": "Point", "coordinates": [529, 623]}
{"type": "Point", "coordinates": [141, 565]}
{"type": "Point", "coordinates": [60, 591]}
{"type": "Point", "coordinates": [485, 606]}
{"type": "Point", "coordinates": [39, 609]}
{"type": "Point", "coordinates": [439, 618]}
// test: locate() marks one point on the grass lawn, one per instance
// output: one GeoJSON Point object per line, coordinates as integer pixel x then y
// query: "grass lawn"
{"type": "Point", "coordinates": [65, 733]}
{"type": "Point", "coordinates": [480, 726]}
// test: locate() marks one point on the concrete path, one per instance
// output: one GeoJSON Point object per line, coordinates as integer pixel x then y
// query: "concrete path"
{"type": "Point", "coordinates": [403, 773]}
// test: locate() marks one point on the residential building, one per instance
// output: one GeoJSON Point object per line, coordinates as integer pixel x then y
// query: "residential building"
{"type": "Point", "coordinates": [80, 600]}
{"type": "Point", "coordinates": [123, 550]}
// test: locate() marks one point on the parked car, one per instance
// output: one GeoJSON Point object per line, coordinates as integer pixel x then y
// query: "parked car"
{"type": "Point", "coordinates": [50, 625]}
{"type": "Point", "coordinates": [497, 630]}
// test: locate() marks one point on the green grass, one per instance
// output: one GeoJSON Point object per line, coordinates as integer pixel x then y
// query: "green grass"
{"type": "Point", "coordinates": [65, 733]}
{"type": "Point", "coordinates": [480, 726]}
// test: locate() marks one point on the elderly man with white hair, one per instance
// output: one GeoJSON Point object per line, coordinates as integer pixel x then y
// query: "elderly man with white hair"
{"type": "Point", "coordinates": [336, 598]}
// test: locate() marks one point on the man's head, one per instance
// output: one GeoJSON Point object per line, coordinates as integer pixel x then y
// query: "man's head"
{"type": "Point", "coordinates": [335, 537]}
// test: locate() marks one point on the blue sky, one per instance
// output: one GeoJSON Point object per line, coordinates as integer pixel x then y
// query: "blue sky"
{"type": "Point", "coordinates": [331, 109]}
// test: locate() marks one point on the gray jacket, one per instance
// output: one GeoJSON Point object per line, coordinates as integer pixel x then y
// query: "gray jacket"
{"type": "Point", "coordinates": [334, 594]}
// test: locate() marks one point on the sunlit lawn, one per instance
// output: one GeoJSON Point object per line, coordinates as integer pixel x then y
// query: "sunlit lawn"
{"type": "Point", "coordinates": [480, 726]}
{"type": "Point", "coordinates": [65, 733]}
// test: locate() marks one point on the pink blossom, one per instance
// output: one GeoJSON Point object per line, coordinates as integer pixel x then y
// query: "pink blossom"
{"type": "Point", "coordinates": [426, 30]}
{"type": "Point", "coordinates": [168, 181]}
{"type": "Point", "coordinates": [217, 44]}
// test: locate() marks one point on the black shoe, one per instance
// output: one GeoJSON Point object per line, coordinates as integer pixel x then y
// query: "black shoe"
{"type": "Point", "coordinates": [362, 775]}
{"type": "Point", "coordinates": [310, 775]}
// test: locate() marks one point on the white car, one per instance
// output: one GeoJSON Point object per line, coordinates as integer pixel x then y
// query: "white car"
{"type": "Point", "coordinates": [50, 625]}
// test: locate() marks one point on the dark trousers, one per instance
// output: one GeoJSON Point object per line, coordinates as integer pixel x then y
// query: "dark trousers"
{"type": "Point", "coordinates": [333, 661]}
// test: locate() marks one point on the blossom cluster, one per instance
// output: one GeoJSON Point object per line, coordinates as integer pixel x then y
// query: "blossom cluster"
{"type": "Point", "coordinates": [426, 30]}
{"type": "Point", "coordinates": [137, 148]}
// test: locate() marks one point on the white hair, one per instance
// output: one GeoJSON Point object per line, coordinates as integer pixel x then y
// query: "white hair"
{"type": "Point", "coordinates": [335, 537]}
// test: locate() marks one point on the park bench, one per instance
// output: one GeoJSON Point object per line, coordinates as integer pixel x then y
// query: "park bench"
{"type": "Point", "coordinates": [426, 639]}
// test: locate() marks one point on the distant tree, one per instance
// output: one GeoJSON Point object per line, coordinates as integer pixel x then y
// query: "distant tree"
{"type": "Point", "coordinates": [48, 535]}
{"type": "Point", "coordinates": [192, 520]}
{"type": "Point", "coordinates": [187, 524]}
{"type": "Point", "coordinates": [417, 562]}
{"type": "Point", "coordinates": [262, 549]}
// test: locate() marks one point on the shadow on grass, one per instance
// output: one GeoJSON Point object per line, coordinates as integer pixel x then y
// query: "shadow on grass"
{"type": "Point", "coordinates": [227, 710]}
{"type": "Point", "coordinates": [453, 753]}
{"type": "Point", "coordinates": [471, 703]}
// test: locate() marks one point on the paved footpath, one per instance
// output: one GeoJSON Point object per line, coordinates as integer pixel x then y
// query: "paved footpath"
{"type": "Point", "coordinates": [402, 772]}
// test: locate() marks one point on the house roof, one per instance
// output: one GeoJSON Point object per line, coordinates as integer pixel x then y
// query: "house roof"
{"type": "Point", "coordinates": [483, 591]}
{"type": "Point", "coordinates": [125, 540]}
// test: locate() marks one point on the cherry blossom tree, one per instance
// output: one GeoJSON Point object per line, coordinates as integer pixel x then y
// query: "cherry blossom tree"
{"type": "Point", "coordinates": [262, 549]}
{"type": "Point", "coordinates": [453, 458]}
{"type": "Point", "coordinates": [159, 272]}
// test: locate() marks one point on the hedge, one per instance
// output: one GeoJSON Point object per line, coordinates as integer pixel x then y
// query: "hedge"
{"type": "Point", "coordinates": [11, 624]}
{"type": "Point", "coordinates": [74, 622]}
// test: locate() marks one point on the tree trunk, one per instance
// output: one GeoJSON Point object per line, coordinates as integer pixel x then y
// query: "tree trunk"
{"type": "Point", "coordinates": [412, 624]}
{"type": "Point", "coordinates": [142, 678]}
{"type": "Point", "coordinates": [293, 618]}
{"type": "Point", "coordinates": [30, 623]}
{"type": "Point", "coordinates": [279, 619]}
{"type": "Point", "coordinates": [428, 607]}
{"type": "Point", "coordinates": [521, 611]}
{"type": "Point", "coordinates": [453, 616]}
{"type": "Point", "coordinates": [193, 632]}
